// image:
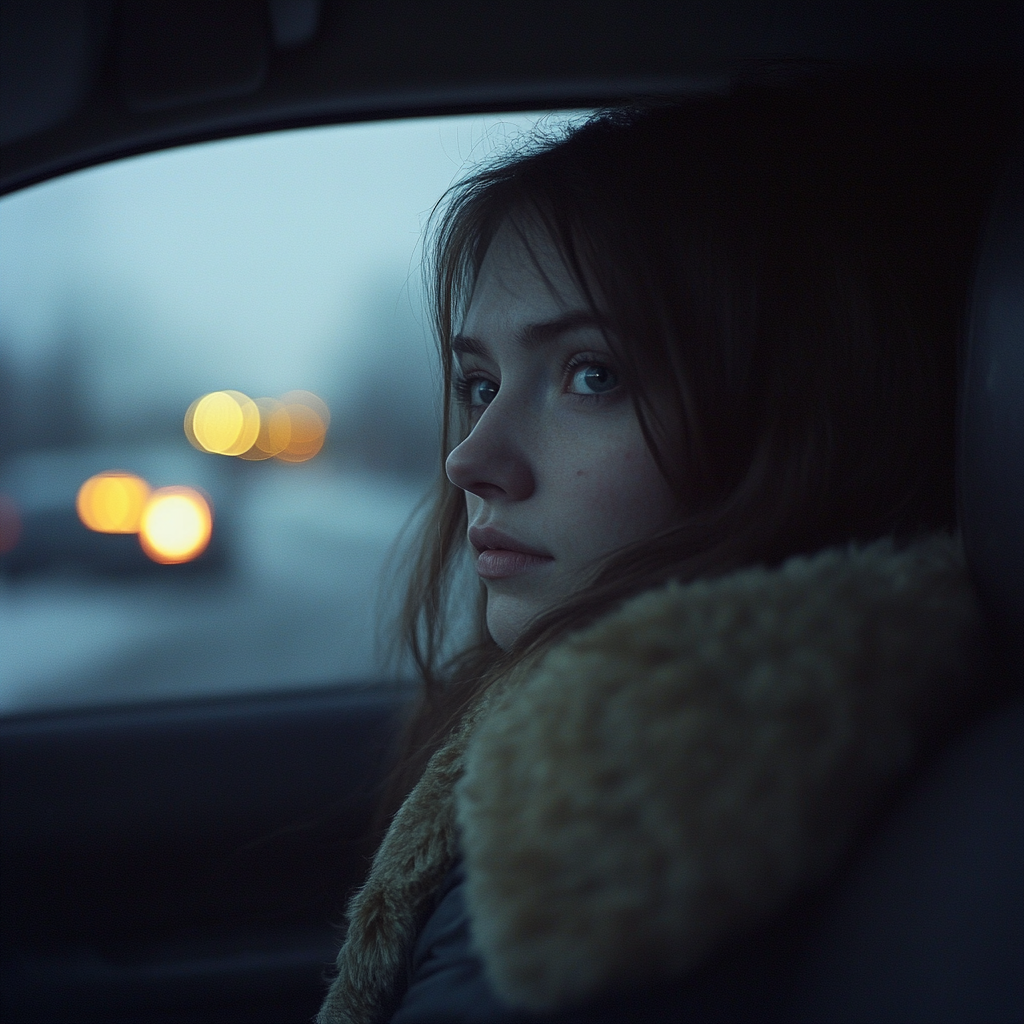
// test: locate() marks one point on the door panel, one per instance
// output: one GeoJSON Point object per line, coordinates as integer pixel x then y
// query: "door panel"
{"type": "Point", "coordinates": [187, 861]}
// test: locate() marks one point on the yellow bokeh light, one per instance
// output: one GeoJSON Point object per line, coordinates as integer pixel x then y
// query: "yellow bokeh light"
{"type": "Point", "coordinates": [217, 421]}
{"type": "Point", "coordinates": [112, 502]}
{"type": "Point", "coordinates": [176, 525]}
{"type": "Point", "coordinates": [223, 423]}
{"type": "Point", "coordinates": [190, 416]}
{"type": "Point", "coordinates": [250, 424]}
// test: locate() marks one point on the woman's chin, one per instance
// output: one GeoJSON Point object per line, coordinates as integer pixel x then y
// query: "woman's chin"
{"type": "Point", "coordinates": [508, 616]}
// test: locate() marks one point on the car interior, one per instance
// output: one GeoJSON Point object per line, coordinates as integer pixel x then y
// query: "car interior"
{"type": "Point", "coordinates": [186, 856]}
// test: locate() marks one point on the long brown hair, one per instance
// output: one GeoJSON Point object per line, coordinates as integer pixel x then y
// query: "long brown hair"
{"type": "Point", "coordinates": [782, 272]}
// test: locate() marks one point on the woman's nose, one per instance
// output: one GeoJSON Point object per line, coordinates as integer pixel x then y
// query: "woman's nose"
{"type": "Point", "coordinates": [491, 462]}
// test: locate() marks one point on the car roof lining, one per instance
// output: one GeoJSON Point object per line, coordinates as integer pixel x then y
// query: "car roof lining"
{"type": "Point", "coordinates": [82, 84]}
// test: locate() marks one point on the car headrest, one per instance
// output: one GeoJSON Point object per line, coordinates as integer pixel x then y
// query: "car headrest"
{"type": "Point", "coordinates": [991, 444]}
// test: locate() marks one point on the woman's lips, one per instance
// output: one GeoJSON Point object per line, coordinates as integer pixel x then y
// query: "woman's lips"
{"type": "Point", "coordinates": [501, 556]}
{"type": "Point", "coordinates": [498, 563]}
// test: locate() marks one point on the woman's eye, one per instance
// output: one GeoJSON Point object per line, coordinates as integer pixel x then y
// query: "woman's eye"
{"type": "Point", "coordinates": [593, 379]}
{"type": "Point", "coordinates": [477, 392]}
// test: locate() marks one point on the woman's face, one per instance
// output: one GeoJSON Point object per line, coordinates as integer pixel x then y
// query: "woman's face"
{"type": "Point", "coordinates": [555, 468]}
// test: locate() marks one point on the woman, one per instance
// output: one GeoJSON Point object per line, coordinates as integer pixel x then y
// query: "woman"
{"type": "Point", "coordinates": [699, 387]}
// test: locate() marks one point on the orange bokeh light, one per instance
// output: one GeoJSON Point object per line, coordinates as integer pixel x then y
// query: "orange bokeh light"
{"type": "Point", "coordinates": [306, 433]}
{"type": "Point", "coordinates": [176, 525]}
{"type": "Point", "coordinates": [274, 432]}
{"type": "Point", "coordinates": [112, 502]}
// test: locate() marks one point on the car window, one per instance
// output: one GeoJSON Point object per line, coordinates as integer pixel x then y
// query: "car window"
{"type": "Point", "coordinates": [217, 409]}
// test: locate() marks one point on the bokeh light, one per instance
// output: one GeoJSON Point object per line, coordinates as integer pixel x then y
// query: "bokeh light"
{"type": "Point", "coordinates": [292, 429]}
{"type": "Point", "coordinates": [112, 502]}
{"type": "Point", "coordinates": [314, 403]}
{"type": "Point", "coordinates": [223, 423]}
{"type": "Point", "coordinates": [308, 419]}
{"type": "Point", "coordinates": [274, 433]}
{"type": "Point", "coordinates": [176, 525]}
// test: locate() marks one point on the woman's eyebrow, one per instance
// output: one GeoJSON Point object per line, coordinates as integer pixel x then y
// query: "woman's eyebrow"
{"type": "Point", "coordinates": [463, 345]}
{"type": "Point", "coordinates": [575, 320]}
{"type": "Point", "coordinates": [535, 334]}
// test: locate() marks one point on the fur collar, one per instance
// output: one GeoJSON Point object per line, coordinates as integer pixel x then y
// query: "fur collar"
{"type": "Point", "coordinates": [669, 776]}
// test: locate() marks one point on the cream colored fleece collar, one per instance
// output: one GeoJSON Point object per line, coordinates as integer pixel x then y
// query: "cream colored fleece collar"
{"type": "Point", "coordinates": [670, 775]}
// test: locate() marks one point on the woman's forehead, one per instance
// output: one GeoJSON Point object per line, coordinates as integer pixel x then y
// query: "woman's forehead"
{"type": "Point", "coordinates": [523, 274]}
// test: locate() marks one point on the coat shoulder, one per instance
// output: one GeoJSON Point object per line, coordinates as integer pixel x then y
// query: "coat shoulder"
{"type": "Point", "coordinates": [681, 768]}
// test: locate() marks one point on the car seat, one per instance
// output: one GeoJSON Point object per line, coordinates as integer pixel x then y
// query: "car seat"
{"type": "Point", "coordinates": [928, 925]}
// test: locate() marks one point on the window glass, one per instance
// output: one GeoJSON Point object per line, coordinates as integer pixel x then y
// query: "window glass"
{"type": "Point", "coordinates": [217, 409]}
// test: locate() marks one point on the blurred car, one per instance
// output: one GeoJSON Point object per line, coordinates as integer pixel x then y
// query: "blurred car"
{"type": "Point", "coordinates": [48, 531]}
{"type": "Point", "coordinates": [189, 859]}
